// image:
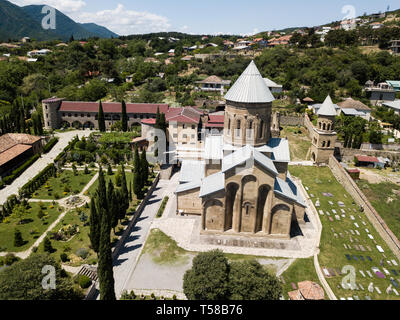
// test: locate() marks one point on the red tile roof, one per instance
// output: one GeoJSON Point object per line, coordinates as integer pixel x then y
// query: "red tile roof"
{"type": "Point", "coordinates": [184, 115]}
{"type": "Point", "coordinates": [367, 159]}
{"type": "Point", "coordinates": [311, 290]}
{"type": "Point", "coordinates": [112, 107]}
{"type": "Point", "coordinates": [149, 121]}
{"type": "Point", "coordinates": [13, 152]}
{"type": "Point", "coordinates": [10, 140]}
{"type": "Point", "coordinates": [216, 118]}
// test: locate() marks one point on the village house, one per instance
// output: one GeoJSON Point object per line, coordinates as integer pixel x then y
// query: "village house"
{"type": "Point", "coordinates": [395, 46]}
{"type": "Point", "coordinates": [380, 93]}
{"type": "Point", "coordinates": [15, 148]}
{"type": "Point", "coordinates": [355, 108]}
{"type": "Point", "coordinates": [213, 84]}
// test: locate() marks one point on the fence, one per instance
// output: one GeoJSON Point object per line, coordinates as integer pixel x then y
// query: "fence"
{"type": "Point", "coordinates": [351, 187]}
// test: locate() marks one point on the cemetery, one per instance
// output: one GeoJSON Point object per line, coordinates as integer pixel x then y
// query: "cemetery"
{"type": "Point", "coordinates": [349, 240]}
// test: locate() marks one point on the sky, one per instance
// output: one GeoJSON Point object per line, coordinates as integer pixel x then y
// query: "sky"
{"type": "Point", "coordinates": [211, 16]}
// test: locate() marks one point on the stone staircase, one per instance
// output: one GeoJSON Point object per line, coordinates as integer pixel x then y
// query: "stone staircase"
{"type": "Point", "coordinates": [88, 271]}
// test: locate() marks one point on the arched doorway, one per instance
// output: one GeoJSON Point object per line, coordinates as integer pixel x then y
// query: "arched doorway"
{"type": "Point", "coordinates": [88, 125]}
{"type": "Point", "coordinates": [231, 192]}
{"type": "Point", "coordinates": [77, 124]}
{"type": "Point", "coordinates": [313, 157]}
{"type": "Point", "coordinates": [213, 215]}
{"type": "Point", "coordinates": [280, 220]}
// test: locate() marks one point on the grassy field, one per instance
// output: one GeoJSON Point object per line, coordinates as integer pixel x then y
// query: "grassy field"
{"type": "Point", "coordinates": [353, 230]}
{"type": "Point", "coordinates": [64, 185]}
{"type": "Point", "coordinates": [299, 142]}
{"type": "Point", "coordinates": [385, 197]}
{"type": "Point", "coordinates": [80, 240]}
{"type": "Point", "coordinates": [31, 230]}
{"type": "Point", "coordinates": [299, 270]}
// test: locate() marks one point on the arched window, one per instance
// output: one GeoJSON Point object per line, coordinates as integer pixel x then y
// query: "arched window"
{"type": "Point", "coordinates": [319, 124]}
{"type": "Point", "coordinates": [261, 129]}
{"type": "Point", "coordinates": [329, 144]}
{"type": "Point", "coordinates": [328, 127]}
{"type": "Point", "coordinates": [323, 144]}
{"type": "Point", "coordinates": [324, 126]}
{"type": "Point", "coordinates": [238, 124]}
{"type": "Point", "coordinates": [229, 127]}
{"type": "Point", "coordinates": [250, 129]}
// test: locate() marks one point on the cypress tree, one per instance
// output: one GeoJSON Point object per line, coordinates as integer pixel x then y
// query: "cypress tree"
{"type": "Point", "coordinates": [94, 234]}
{"type": "Point", "coordinates": [105, 267]}
{"type": "Point", "coordinates": [124, 117]}
{"type": "Point", "coordinates": [144, 168]}
{"type": "Point", "coordinates": [112, 205]}
{"type": "Point", "coordinates": [100, 118]}
{"type": "Point", "coordinates": [18, 241]}
{"type": "Point", "coordinates": [124, 190]}
{"type": "Point", "coordinates": [47, 245]}
{"type": "Point", "coordinates": [163, 122]}
{"type": "Point", "coordinates": [137, 187]}
{"type": "Point", "coordinates": [157, 126]}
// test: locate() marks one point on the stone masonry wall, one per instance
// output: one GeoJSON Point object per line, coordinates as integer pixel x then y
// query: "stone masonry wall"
{"type": "Point", "coordinates": [292, 120]}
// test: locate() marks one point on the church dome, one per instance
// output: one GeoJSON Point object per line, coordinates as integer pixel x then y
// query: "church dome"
{"type": "Point", "coordinates": [250, 87]}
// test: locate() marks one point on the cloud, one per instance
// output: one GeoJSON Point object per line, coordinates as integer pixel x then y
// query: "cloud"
{"type": "Point", "coordinates": [125, 22]}
{"type": "Point", "coordinates": [65, 6]}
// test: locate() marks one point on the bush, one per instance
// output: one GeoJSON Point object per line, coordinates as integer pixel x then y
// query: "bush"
{"type": "Point", "coordinates": [84, 281]}
{"type": "Point", "coordinates": [9, 259]}
{"type": "Point", "coordinates": [49, 145]}
{"type": "Point", "coordinates": [18, 241]}
{"type": "Point", "coordinates": [64, 257]}
{"type": "Point", "coordinates": [82, 253]}
{"type": "Point", "coordinates": [162, 207]}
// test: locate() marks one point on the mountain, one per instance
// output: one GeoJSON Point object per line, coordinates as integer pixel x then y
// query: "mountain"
{"type": "Point", "coordinates": [101, 31]}
{"type": "Point", "coordinates": [15, 24]}
{"type": "Point", "coordinates": [65, 26]}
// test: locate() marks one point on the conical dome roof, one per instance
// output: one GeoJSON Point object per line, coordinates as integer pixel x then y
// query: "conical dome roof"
{"type": "Point", "coordinates": [250, 87]}
{"type": "Point", "coordinates": [327, 108]}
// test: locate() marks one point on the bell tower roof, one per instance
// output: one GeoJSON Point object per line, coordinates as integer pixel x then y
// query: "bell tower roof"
{"type": "Point", "coordinates": [250, 87]}
{"type": "Point", "coordinates": [327, 108]}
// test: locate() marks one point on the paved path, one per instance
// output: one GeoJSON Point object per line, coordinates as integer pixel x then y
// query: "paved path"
{"type": "Point", "coordinates": [125, 262]}
{"type": "Point", "coordinates": [40, 164]}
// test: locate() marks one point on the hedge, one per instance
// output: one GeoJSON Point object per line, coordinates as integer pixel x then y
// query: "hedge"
{"type": "Point", "coordinates": [162, 207]}
{"type": "Point", "coordinates": [49, 145]}
{"type": "Point", "coordinates": [17, 172]}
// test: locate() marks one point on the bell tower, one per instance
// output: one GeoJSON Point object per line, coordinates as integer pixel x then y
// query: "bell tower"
{"type": "Point", "coordinates": [324, 135]}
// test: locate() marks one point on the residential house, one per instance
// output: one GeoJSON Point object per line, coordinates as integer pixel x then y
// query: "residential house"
{"type": "Point", "coordinates": [355, 108]}
{"type": "Point", "coordinates": [382, 92]}
{"type": "Point", "coordinates": [273, 86]}
{"type": "Point", "coordinates": [395, 47]}
{"type": "Point", "coordinates": [394, 105]}
{"type": "Point", "coordinates": [213, 84]}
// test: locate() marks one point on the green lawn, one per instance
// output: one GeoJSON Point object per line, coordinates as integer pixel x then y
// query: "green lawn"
{"type": "Point", "coordinates": [299, 142]}
{"type": "Point", "coordinates": [31, 230]}
{"type": "Point", "coordinates": [336, 233]}
{"type": "Point", "coordinates": [80, 240]}
{"type": "Point", "coordinates": [385, 197]}
{"type": "Point", "coordinates": [300, 270]}
{"type": "Point", "coordinates": [64, 185]}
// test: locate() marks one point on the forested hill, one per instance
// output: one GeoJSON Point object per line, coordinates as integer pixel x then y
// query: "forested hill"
{"type": "Point", "coordinates": [15, 24]}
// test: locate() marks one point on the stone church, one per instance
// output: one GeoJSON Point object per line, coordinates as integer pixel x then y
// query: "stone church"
{"type": "Point", "coordinates": [242, 184]}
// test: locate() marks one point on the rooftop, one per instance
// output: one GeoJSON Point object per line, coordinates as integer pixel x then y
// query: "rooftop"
{"type": "Point", "coordinates": [327, 108]}
{"type": "Point", "coordinates": [250, 87]}
{"type": "Point", "coordinates": [10, 140]}
{"type": "Point", "coordinates": [112, 107]}
{"type": "Point", "coordinates": [350, 103]}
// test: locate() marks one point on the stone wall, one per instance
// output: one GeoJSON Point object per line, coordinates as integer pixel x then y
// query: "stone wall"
{"type": "Point", "coordinates": [292, 120]}
{"type": "Point", "coordinates": [351, 187]}
{"type": "Point", "coordinates": [308, 124]}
